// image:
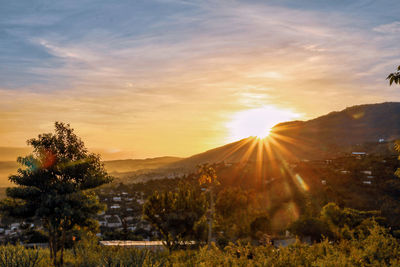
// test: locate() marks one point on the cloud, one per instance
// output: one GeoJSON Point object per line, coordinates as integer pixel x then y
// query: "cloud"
{"type": "Point", "coordinates": [391, 28]}
{"type": "Point", "coordinates": [143, 73]}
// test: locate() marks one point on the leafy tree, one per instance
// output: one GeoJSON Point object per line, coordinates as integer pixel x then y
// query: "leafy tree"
{"type": "Point", "coordinates": [234, 212]}
{"type": "Point", "coordinates": [178, 216]}
{"type": "Point", "coordinates": [55, 186]}
{"type": "Point", "coordinates": [394, 77]}
{"type": "Point", "coordinates": [208, 180]}
{"type": "Point", "coordinates": [345, 220]}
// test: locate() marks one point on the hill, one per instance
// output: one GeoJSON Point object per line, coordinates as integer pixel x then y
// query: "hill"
{"type": "Point", "coordinates": [371, 128]}
{"type": "Point", "coordinates": [114, 167]}
{"type": "Point", "coordinates": [351, 126]}
{"type": "Point", "coordinates": [130, 165]}
{"type": "Point", "coordinates": [12, 153]}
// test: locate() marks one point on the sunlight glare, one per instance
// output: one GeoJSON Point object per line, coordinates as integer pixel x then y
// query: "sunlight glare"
{"type": "Point", "coordinates": [257, 122]}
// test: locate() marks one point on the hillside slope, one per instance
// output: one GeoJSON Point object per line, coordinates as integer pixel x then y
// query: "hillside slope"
{"type": "Point", "coordinates": [353, 125]}
{"type": "Point", "coordinates": [130, 165]}
{"type": "Point", "coordinates": [323, 137]}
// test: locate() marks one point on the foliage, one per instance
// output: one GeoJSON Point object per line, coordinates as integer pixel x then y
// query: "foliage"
{"type": "Point", "coordinates": [234, 213]}
{"type": "Point", "coordinates": [342, 221]}
{"type": "Point", "coordinates": [207, 175]}
{"type": "Point", "coordinates": [335, 223]}
{"type": "Point", "coordinates": [375, 248]}
{"type": "Point", "coordinates": [394, 77]}
{"type": "Point", "coordinates": [178, 216]}
{"type": "Point", "coordinates": [54, 186]}
{"type": "Point", "coordinates": [18, 256]}
{"type": "Point", "coordinates": [90, 254]}
{"type": "Point", "coordinates": [315, 228]}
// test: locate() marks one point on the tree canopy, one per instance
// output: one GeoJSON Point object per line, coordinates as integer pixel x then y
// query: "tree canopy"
{"type": "Point", "coordinates": [53, 185]}
{"type": "Point", "coordinates": [178, 216]}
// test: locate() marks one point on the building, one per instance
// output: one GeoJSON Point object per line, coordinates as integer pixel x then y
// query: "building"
{"type": "Point", "coordinates": [367, 172]}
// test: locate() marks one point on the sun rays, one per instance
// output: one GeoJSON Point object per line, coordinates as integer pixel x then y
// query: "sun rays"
{"type": "Point", "coordinates": [257, 122]}
{"type": "Point", "coordinates": [272, 154]}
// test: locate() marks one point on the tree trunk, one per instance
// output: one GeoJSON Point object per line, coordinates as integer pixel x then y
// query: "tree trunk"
{"type": "Point", "coordinates": [210, 220]}
{"type": "Point", "coordinates": [62, 246]}
{"type": "Point", "coordinates": [55, 262]}
{"type": "Point", "coordinates": [51, 244]}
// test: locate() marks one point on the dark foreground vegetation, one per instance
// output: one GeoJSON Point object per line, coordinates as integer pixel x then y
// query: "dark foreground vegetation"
{"type": "Point", "coordinates": [374, 247]}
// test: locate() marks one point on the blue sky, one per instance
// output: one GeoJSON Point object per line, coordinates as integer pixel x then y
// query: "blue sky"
{"type": "Point", "coordinates": [133, 69]}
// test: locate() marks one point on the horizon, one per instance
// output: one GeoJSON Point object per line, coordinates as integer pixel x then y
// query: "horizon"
{"type": "Point", "coordinates": [9, 154]}
{"type": "Point", "coordinates": [177, 78]}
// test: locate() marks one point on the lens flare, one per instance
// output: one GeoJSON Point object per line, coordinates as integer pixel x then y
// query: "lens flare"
{"type": "Point", "coordinates": [257, 122]}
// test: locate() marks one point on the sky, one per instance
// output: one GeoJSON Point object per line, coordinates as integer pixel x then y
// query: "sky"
{"type": "Point", "coordinates": [140, 79]}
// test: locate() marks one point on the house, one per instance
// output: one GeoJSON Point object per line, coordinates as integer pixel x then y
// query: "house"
{"type": "Point", "coordinates": [117, 199]}
{"type": "Point", "coordinates": [14, 226]}
{"type": "Point", "coordinates": [102, 222]}
{"type": "Point", "coordinates": [358, 155]}
{"type": "Point", "coordinates": [113, 221]}
{"type": "Point", "coordinates": [129, 218]}
{"type": "Point", "coordinates": [367, 172]}
{"type": "Point", "coordinates": [115, 206]}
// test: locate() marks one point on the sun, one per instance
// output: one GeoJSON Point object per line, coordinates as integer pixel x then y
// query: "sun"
{"type": "Point", "coordinates": [257, 122]}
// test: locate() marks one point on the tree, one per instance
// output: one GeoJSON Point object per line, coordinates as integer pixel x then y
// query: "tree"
{"type": "Point", "coordinates": [234, 213]}
{"type": "Point", "coordinates": [394, 77]}
{"type": "Point", "coordinates": [346, 219]}
{"type": "Point", "coordinates": [177, 215]}
{"type": "Point", "coordinates": [209, 180]}
{"type": "Point", "coordinates": [311, 227]}
{"type": "Point", "coordinates": [55, 186]}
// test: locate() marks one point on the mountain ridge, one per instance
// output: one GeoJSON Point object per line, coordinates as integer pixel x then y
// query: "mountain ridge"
{"type": "Point", "coordinates": [322, 137]}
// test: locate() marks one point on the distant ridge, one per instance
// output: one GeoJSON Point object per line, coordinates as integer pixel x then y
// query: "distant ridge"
{"type": "Point", "coordinates": [12, 153]}
{"type": "Point", "coordinates": [351, 126]}
{"type": "Point", "coordinates": [322, 137]}
{"type": "Point", "coordinates": [130, 165]}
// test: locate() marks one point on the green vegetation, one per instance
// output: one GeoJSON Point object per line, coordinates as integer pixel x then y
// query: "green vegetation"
{"type": "Point", "coordinates": [178, 216]}
{"type": "Point", "coordinates": [373, 248]}
{"type": "Point", "coordinates": [394, 77]}
{"type": "Point", "coordinates": [54, 186]}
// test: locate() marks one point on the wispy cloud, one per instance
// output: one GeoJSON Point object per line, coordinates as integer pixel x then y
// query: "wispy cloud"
{"type": "Point", "coordinates": [180, 68]}
{"type": "Point", "coordinates": [390, 28]}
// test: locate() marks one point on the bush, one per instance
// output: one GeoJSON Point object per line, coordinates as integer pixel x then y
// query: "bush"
{"type": "Point", "coordinates": [19, 256]}
{"type": "Point", "coordinates": [373, 246]}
